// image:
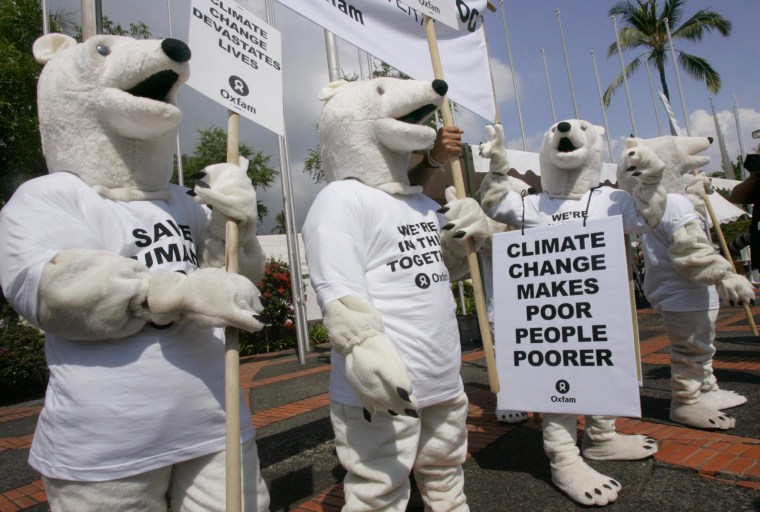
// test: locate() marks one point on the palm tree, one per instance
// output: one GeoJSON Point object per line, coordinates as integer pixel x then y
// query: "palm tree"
{"type": "Point", "coordinates": [646, 29]}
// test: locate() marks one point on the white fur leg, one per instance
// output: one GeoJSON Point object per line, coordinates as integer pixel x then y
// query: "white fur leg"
{"type": "Point", "coordinates": [700, 415]}
{"type": "Point", "coordinates": [722, 399]}
{"type": "Point", "coordinates": [511, 417]}
{"type": "Point", "coordinates": [602, 442]}
{"type": "Point", "coordinates": [570, 473]}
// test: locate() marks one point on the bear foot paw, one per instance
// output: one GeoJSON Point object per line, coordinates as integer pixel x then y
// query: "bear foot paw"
{"type": "Point", "coordinates": [620, 447]}
{"type": "Point", "coordinates": [721, 399]}
{"type": "Point", "coordinates": [584, 485]}
{"type": "Point", "coordinates": [700, 415]}
{"type": "Point", "coordinates": [511, 417]}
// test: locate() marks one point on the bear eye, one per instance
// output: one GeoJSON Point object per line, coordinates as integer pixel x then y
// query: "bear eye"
{"type": "Point", "coordinates": [583, 127]}
{"type": "Point", "coordinates": [103, 50]}
{"type": "Point", "coordinates": [380, 91]}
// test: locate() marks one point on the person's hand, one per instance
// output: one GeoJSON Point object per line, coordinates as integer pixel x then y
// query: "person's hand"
{"type": "Point", "coordinates": [448, 145]}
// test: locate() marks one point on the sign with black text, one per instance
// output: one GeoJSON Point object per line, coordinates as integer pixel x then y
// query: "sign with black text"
{"type": "Point", "coordinates": [444, 11]}
{"type": "Point", "coordinates": [564, 336]}
{"type": "Point", "coordinates": [237, 61]}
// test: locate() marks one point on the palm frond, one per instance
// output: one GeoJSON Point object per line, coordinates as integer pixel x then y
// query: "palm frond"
{"type": "Point", "coordinates": [702, 22]}
{"type": "Point", "coordinates": [618, 81]}
{"type": "Point", "coordinates": [700, 69]}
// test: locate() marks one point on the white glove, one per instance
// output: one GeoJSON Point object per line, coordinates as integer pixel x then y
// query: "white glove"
{"type": "Point", "coordinates": [209, 297]}
{"type": "Point", "coordinates": [494, 150]}
{"type": "Point", "coordinates": [374, 368]}
{"type": "Point", "coordinates": [227, 189]}
{"type": "Point", "coordinates": [464, 220]}
{"type": "Point", "coordinates": [700, 185]}
{"type": "Point", "coordinates": [735, 289]}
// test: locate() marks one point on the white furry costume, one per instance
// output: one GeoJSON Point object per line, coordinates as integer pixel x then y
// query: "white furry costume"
{"type": "Point", "coordinates": [104, 255]}
{"type": "Point", "coordinates": [381, 268]}
{"type": "Point", "coordinates": [570, 170]}
{"type": "Point", "coordinates": [682, 274]}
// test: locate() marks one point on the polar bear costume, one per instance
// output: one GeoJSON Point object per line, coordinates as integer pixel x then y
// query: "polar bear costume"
{"type": "Point", "coordinates": [105, 256]}
{"type": "Point", "coordinates": [684, 277]}
{"type": "Point", "coordinates": [380, 264]}
{"type": "Point", "coordinates": [571, 167]}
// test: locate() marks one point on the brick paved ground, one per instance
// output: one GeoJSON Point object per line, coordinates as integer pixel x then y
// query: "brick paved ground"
{"type": "Point", "coordinates": [289, 406]}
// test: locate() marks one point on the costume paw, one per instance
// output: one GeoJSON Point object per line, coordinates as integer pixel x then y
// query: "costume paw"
{"type": "Point", "coordinates": [494, 150]}
{"type": "Point", "coordinates": [228, 190]}
{"type": "Point", "coordinates": [721, 399]}
{"type": "Point", "coordinates": [735, 290]}
{"type": "Point", "coordinates": [584, 485]}
{"type": "Point", "coordinates": [699, 185]}
{"type": "Point", "coordinates": [464, 219]}
{"type": "Point", "coordinates": [209, 297]}
{"type": "Point", "coordinates": [700, 415]}
{"type": "Point", "coordinates": [510, 417]}
{"type": "Point", "coordinates": [644, 165]}
{"type": "Point", "coordinates": [378, 375]}
{"type": "Point", "coordinates": [619, 447]}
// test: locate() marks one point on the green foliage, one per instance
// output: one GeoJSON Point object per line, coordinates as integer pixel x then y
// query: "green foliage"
{"type": "Point", "coordinates": [278, 315]}
{"type": "Point", "coordinates": [23, 371]}
{"type": "Point", "coordinates": [137, 30]}
{"type": "Point", "coordinates": [312, 166]}
{"type": "Point", "coordinates": [731, 230]}
{"type": "Point", "coordinates": [279, 227]}
{"type": "Point", "coordinates": [212, 149]}
{"type": "Point", "coordinates": [469, 298]}
{"type": "Point", "coordinates": [646, 30]}
{"type": "Point", "coordinates": [318, 334]}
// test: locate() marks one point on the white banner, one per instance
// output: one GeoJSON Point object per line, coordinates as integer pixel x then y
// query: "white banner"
{"type": "Point", "coordinates": [393, 32]}
{"type": "Point", "coordinates": [444, 11]}
{"type": "Point", "coordinates": [237, 61]}
{"type": "Point", "coordinates": [564, 333]}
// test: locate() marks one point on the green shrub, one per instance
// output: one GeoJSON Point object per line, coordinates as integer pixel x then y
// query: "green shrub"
{"type": "Point", "coordinates": [318, 334]}
{"type": "Point", "coordinates": [469, 298]}
{"type": "Point", "coordinates": [23, 370]}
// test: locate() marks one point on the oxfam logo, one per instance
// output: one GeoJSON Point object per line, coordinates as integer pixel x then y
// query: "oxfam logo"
{"type": "Point", "coordinates": [238, 85]}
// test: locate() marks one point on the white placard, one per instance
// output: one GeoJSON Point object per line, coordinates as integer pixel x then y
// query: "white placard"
{"type": "Point", "coordinates": [237, 61]}
{"type": "Point", "coordinates": [444, 11]}
{"type": "Point", "coordinates": [564, 336]}
{"type": "Point", "coordinates": [394, 33]}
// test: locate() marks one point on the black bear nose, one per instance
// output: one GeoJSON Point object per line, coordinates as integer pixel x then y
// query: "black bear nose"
{"type": "Point", "coordinates": [564, 126]}
{"type": "Point", "coordinates": [710, 139]}
{"type": "Point", "coordinates": [176, 50]}
{"type": "Point", "coordinates": [440, 87]}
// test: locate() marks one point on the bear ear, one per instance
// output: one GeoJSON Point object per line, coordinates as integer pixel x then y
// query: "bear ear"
{"type": "Point", "coordinates": [48, 46]}
{"type": "Point", "coordinates": [330, 89]}
{"type": "Point", "coordinates": [601, 130]}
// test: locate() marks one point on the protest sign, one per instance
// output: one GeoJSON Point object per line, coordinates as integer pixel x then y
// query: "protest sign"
{"type": "Point", "coordinates": [237, 61]}
{"type": "Point", "coordinates": [563, 330]}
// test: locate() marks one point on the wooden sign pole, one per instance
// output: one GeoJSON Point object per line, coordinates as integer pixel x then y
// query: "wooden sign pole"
{"type": "Point", "coordinates": [472, 257]}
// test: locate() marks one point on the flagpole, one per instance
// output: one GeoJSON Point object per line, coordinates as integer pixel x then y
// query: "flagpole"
{"type": "Point", "coordinates": [291, 234]}
{"type": "Point", "coordinates": [742, 154]}
{"type": "Point", "coordinates": [549, 87]}
{"type": "Point", "coordinates": [45, 18]}
{"type": "Point", "coordinates": [180, 165]}
{"type": "Point", "coordinates": [472, 257]}
{"type": "Point", "coordinates": [601, 104]}
{"type": "Point", "coordinates": [654, 102]}
{"type": "Point", "coordinates": [625, 78]}
{"type": "Point", "coordinates": [333, 66]}
{"type": "Point", "coordinates": [567, 65]}
{"type": "Point", "coordinates": [514, 78]}
{"type": "Point", "coordinates": [678, 77]}
{"type": "Point", "coordinates": [725, 160]}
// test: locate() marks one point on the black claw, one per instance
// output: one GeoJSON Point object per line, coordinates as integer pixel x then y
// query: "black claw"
{"type": "Point", "coordinates": [459, 234]}
{"type": "Point", "coordinates": [712, 421]}
{"type": "Point", "coordinates": [260, 318]}
{"type": "Point", "coordinates": [198, 175]}
{"type": "Point", "coordinates": [404, 394]}
{"type": "Point", "coordinates": [210, 207]}
{"type": "Point", "coordinates": [448, 226]}
{"type": "Point", "coordinates": [615, 483]}
{"type": "Point", "coordinates": [607, 487]}
{"type": "Point", "coordinates": [367, 415]}
{"type": "Point", "coordinates": [202, 184]}
{"type": "Point", "coordinates": [443, 209]}
{"type": "Point", "coordinates": [588, 495]}
{"type": "Point", "coordinates": [722, 418]}
{"type": "Point", "coordinates": [729, 416]}
{"type": "Point", "coordinates": [263, 302]}
{"type": "Point", "coordinates": [191, 193]}
{"type": "Point", "coordinates": [752, 301]}
{"type": "Point", "coordinates": [392, 413]}
{"type": "Point", "coordinates": [649, 447]}
{"type": "Point", "coordinates": [412, 413]}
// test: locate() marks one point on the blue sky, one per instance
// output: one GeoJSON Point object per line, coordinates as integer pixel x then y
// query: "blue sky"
{"type": "Point", "coordinates": [532, 26]}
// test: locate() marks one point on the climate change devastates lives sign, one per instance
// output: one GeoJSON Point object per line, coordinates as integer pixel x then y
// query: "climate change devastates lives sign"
{"type": "Point", "coordinates": [237, 61]}
{"type": "Point", "coordinates": [564, 336]}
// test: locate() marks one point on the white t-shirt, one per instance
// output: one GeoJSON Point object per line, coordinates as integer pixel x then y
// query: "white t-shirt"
{"type": "Point", "coordinates": [665, 288]}
{"type": "Point", "coordinates": [385, 248]}
{"type": "Point", "coordinates": [116, 407]}
{"type": "Point", "coordinates": [541, 210]}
